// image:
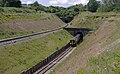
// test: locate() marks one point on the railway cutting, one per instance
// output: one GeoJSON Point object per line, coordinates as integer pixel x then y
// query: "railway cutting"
{"type": "Point", "coordinates": [45, 66]}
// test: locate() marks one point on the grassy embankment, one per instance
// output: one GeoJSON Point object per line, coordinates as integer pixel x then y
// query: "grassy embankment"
{"type": "Point", "coordinates": [21, 21]}
{"type": "Point", "coordinates": [21, 56]}
{"type": "Point", "coordinates": [93, 56]}
{"type": "Point", "coordinates": [108, 62]}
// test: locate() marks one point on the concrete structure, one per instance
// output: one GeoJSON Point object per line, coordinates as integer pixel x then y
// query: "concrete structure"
{"type": "Point", "coordinates": [82, 31]}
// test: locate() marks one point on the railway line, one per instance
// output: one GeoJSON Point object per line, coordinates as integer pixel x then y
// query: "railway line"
{"type": "Point", "coordinates": [48, 64]}
{"type": "Point", "coordinates": [26, 37]}
{"type": "Point", "coordinates": [47, 68]}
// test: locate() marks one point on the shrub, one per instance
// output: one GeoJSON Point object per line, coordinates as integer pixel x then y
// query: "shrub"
{"type": "Point", "coordinates": [1, 10]}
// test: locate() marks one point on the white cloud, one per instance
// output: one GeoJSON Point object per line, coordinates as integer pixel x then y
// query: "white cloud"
{"type": "Point", "coordinates": [67, 2]}
{"type": "Point", "coordinates": [29, 2]}
{"type": "Point", "coordinates": [53, 2]}
{"type": "Point", "coordinates": [63, 1]}
{"type": "Point", "coordinates": [58, 2]}
{"type": "Point", "coordinates": [84, 2]}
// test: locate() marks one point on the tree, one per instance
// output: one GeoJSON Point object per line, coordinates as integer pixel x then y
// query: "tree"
{"type": "Point", "coordinates": [10, 3]}
{"type": "Point", "coordinates": [93, 5]}
{"type": "Point", "coordinates": [35, 4]}
{"type": "Point", "coordinates": [111, 5]}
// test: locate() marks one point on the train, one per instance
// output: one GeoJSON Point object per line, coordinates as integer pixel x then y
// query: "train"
{"type": "Point", "coordinates": [76, 40]}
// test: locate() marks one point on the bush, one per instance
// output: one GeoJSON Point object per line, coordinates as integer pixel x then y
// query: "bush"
{"type": "Point", "coordinates": [1, 10]}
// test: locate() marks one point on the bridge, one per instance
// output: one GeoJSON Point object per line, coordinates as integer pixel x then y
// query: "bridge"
{"type": "Point", "coordinates": [82, 31]}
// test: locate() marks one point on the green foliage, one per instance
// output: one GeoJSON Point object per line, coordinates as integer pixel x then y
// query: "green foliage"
{"type": "Point", "coordinates": [110, 5]}
{"type": "Point", "coordinates": [19, 57]}
{"type": "Point", "coordinates": [77, 8]}
{"type": "Point", "coordinates": [10, 3]}
{"type": "Point", "coordinates": [102, 8]}
{"type": "Point", "coordinates": [1, 10]}
{"type": "Point", "coordinates": [16, 15]}
{"type": "Point", "coordinates": [66, 14]}
{"type": "Point", "coordinates": [36, 6]}
{"type": "Point", "coordinates": [86, 20]}
{"type": "Point", "coordinates": [107, 62]}
{"type": "Point", "coordinates": [93, 5]}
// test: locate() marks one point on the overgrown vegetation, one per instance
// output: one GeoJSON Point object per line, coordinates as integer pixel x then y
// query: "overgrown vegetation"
{"type": "Point", "coordinates": [10, 3]}
{"type": "Point", "coordinates": [92, 20]}
{"type": "Point", "coordinates": [67, 14]}
{"type": "Point", "coordinates": [85, 58]}
{"type": "Point", "coordinates": [110, 5]}
{"type": "Point", "coordinates": [21, 56]}
{"type": "Point", "coordinates": [107, 62]}
{"type": "Point", "coordinates": [10, 16]}
{"type": "Point", "coordinates": [16, 60]}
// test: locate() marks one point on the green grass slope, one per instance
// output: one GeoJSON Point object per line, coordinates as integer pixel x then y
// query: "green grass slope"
{"type": "Point", "coordinates": [99, 53]}
{"type": "Point", "coordinates": [21, 56]}
{"type": "Point", "coordinates": [108, 62]}
{"type": "Point", "coordinates": [91, 20]}
{"type": "Point", "coordinates": [21, 21]}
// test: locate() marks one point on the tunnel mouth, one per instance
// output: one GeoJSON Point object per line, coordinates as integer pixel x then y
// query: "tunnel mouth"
{"type": "Point", "coordinates": [81, 37]}
{"type": "Point", "coordinates": [66, 20]}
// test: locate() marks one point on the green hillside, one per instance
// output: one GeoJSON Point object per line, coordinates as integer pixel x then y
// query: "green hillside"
{"type": "Point", "coordinates": [106, 61]}
{"type": "Point", "coordinates": [99, 52]}
{"type": "Point", "coordinates": [19, 57]}
{"type": "Point", "coordinates": [21, 21]}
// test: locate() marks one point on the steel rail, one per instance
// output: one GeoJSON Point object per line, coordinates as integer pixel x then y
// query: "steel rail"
{"type": "Point", "coordinates": [51, 64]}
{"type": "Point", "coordinates": [26, 37]}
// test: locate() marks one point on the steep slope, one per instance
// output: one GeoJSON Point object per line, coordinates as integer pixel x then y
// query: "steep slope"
{"type": "Point", "coordinates": [99, 52]}
{"type": "Point", "coordinates": [18, 23]}
{"type": "Point", "coordinates": [20, 56]}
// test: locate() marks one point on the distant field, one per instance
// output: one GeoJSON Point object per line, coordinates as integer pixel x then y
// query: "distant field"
{"type": "Point", "coordinates": [99, 53]}
{"type": "Point", "coordinates": [21, 56]}
{"type": "Point", "coordinates": [21, 21]}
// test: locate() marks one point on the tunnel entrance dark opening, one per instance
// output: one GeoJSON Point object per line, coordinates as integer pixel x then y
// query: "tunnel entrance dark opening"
{"type": "Point", "coordinates": [67, 20]}
{"type": "Point", "coordinates": [81, 37]}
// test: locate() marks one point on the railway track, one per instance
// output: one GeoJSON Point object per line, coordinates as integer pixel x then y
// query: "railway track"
{"type": "Point", "coordinates": [26, 37]}
{"type": "Point", "coordinates": [49, 63]}
{"type": "Point", "coordinates": [47, 68]}
{"type": "Point", "coordinates": [46, 65]}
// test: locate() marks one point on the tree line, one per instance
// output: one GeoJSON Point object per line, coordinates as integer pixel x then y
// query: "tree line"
{"type": "Point", "coordinates": [67, 14]}
{"type": "Point", "coordinates": [10, 3]}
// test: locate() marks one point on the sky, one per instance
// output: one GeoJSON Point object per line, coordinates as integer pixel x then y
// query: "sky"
{"type": "Point", "coordinates": [61, 3]}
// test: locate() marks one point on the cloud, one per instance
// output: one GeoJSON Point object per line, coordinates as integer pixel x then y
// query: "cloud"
{"type": "Point", "coordinates": [67, 2]}
{"type": "Point", "coordinates": [53, 2]}
{"type": "Point", "coordinates": [64, 3]}
{"type": "Point", "coordinates": [58, 2]}
{"type": "Point", "coordinates": [29, 2]}
{"type": "Point", "coordinates": [84, 2]}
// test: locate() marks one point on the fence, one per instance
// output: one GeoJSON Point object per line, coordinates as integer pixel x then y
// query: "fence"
{"type": "Point", "coordinates": [46, 60]}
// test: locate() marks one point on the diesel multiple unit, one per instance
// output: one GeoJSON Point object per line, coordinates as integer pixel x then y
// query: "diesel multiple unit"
{"type": "Point", "coordinates": [75, 40]}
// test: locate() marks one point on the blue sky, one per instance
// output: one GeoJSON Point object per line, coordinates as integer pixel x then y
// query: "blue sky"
{"type": "Point", "coordinates": [63, 3]}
